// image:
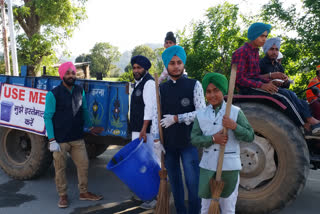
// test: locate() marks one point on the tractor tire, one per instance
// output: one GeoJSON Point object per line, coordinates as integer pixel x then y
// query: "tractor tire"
{"type": "Point", "coordinates": [94, 150]}
{"type": "Point", "coordinates": [275, 165]}
{"type": "Point", "coordinates": [23, 155]}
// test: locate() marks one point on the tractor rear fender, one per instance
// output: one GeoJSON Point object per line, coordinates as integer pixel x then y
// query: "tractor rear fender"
{"type": "Point", "coordinates": [269, 101]}
{"type": "Point", "coordinates": [265, 100]}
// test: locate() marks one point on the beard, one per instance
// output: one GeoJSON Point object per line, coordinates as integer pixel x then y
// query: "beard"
{"type": "Point", "coordinates": [70, 81]}
{"type": "Point", "coordinates": [272, 57]}
{"type": "Point", "coordinates": [137, 76]}
{"type": "Point", "coordinates": [175, 75]}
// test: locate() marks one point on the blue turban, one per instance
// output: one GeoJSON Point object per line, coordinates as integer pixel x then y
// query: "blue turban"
{"type": "Point", "coordinates": [256, 29]}
{"type": "Point", "coordinates": [142, 61]}
{"type": "Point", "coordinates": [173, 51]}
{"type": "Point", "coordinates": [270, 42]}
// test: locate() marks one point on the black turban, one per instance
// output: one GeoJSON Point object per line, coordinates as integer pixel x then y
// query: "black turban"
{"type": "Point", "coordinates": [170, 37]}
{"type": "Point", "coordinates": [142, 61]}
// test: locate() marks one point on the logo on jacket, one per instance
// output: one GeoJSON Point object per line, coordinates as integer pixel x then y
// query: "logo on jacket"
{"type": "Point", "coordinates": [138, 92]}
{"type": "Point", "coordinates": [185, 102]}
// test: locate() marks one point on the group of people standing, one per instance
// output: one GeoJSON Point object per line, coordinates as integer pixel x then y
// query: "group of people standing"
{"type": "Point", "coordinates": [186, 120]}
{"type": "Point", "coordinates": [187, 124]}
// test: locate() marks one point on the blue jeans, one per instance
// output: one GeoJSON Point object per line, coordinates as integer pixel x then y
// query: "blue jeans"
{"type": "Point", "coordinates": [298, 110]}
{"type": "Point", "coordinates": [190, 162]}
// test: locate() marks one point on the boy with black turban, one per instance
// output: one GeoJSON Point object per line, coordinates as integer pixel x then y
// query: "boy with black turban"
{"type": "Point", "coordinates": [141, 108]}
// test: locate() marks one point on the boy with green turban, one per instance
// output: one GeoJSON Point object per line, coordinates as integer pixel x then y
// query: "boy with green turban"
{"type": "Point", "coordinates": [207, 132]}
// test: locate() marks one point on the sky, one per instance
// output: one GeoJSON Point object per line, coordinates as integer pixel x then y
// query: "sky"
{"type": "Point", "coordinates": [127, 23]}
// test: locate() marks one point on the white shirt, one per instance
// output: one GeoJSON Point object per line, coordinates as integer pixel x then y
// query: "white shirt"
{"type": "Point", "coordinates": [149, 98]}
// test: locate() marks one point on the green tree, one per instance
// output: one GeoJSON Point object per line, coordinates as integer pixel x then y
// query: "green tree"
{"type": "Point", "coordinates": [301, 51]}
{"type": "Point", "coordinates": [83, 58]}
{"type": "Point", "coordinates": [158, 63]}
{"type": "Point", "coordinates": [144, 50]}
{"type": "Point", "coordinates": [45, 23]}
{"type": "Point", "coordinates": [2, 66]}
{"type": "Point", "coordinates": [103, 55]}
{"type": "Point", "coordinates": [48, 61]}
{"type": "Point", "coordinates": [153, 55]}
{"type": "Point", "coordinates": [210, 44]}
{"type": "Point", "coordinates": [126, 76]}
{"type": "Point", "coordinates": [115, 72]}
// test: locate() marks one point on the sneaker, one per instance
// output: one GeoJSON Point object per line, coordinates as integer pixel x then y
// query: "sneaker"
{"type": "Point", "coordinates": [135, 198]}
{"type": "Point", "coordinates": [148, 205]}
{"type": "Point", "coordinates": [316, 129]}
{"type": "Point", "coordinates": [63, 201]}
{"type": "Point", "coordinates": [88, 196]}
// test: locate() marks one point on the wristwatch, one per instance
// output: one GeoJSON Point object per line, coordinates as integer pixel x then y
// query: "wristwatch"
{"type": "Point", "coordinates": [213, 139]}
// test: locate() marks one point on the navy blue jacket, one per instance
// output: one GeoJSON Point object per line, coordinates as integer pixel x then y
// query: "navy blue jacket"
{"type": "Point", "coordinates": [137, 106]}
{"type": "Point", "coordinates": [177, 98]}
{"type": "Point", "coordinates": [68, 120]}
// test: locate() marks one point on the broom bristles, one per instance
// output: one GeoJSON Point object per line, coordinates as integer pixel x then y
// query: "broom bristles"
{"type": "Point", "coordinates": [214, 207]}
{"type": "Point", "coordinates": [216, 188]}
{"type": "Point", "coordinates": [162, 206]}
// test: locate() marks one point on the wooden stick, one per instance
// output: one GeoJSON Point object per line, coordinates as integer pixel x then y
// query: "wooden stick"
{"type": "Point", "coordinates": [228, 109]}
{"type": "Point", "coordinates": [159, 117]}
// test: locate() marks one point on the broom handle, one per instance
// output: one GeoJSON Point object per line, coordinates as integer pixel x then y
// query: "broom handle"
{"type": "Point", "coordinates": [228, 109]}
{"type": "Point", "coordinates": [159, 117]}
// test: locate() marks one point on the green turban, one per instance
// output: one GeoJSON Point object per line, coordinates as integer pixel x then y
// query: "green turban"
{"type": "Point", "coordinates": [219, 80]}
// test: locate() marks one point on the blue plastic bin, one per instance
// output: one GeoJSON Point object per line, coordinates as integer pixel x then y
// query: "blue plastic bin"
{"type": "Point", "coordinates": [6, 108]}
{"type": "Point", "coordinates": [137, 167]}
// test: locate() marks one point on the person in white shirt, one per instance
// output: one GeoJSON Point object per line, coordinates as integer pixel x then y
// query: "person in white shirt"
{"type": "Point", "coordinates": [142, 105]}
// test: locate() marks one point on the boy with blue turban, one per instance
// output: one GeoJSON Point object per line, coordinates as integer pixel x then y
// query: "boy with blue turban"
{"type": "Point", "coordinates": [169, 40]}
{"type": "Point", "coordinates": [207, 132]}
{"type": "Point", "coordinates": [180, 98]}
{"type": "Point", "coordinates": [250, 81]}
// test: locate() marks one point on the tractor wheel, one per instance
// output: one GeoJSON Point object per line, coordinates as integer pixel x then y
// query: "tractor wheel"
{"type": "Point", "coordinates": [275, 165]}
{"type": "Point", "coordinates": [23, 155]}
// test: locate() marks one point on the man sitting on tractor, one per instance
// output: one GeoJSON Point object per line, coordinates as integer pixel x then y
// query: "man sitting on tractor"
{"type": "Point", "coordinates": [250, 82]}
{"type": "Point", "coordinates": [269, 65]}
{"type": "Point", "coordinates": [312, 97]}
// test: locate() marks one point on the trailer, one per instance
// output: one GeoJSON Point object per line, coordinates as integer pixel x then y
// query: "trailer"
{"type": "Point", "coordinates": [24, 152]}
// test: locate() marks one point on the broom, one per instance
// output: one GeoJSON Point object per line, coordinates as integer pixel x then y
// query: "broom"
{"type": "Point", "coordinates": [216, 186]}
{"type": "Point", "coordinates": [162, 206]}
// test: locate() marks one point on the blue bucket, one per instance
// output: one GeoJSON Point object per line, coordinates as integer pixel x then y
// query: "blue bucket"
{"type": "Point", "coordinates": [137, 167]}
{"type": "Point", "coordinates": [6, 107]}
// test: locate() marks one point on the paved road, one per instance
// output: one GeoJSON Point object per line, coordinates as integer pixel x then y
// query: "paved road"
{"type": "Point", "coordinates": [39, 196]}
